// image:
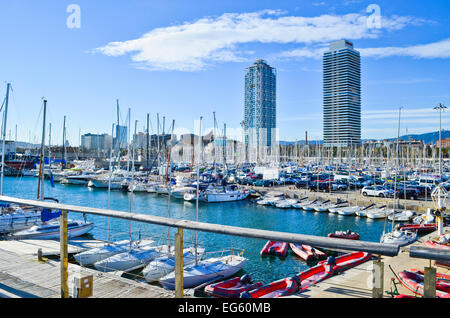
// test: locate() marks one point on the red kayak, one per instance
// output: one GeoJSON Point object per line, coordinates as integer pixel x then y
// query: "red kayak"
{"type": "Point", "coordinates": [232, 288]}
{"type": "Point", "coordinates": [331, 266]}
{"type": "Point", "coordinates": [437, 245]}
{"type": "Point", "coordinates": [280, 288]}
{"type": "Point", "coordinates": [419, 227]}
{"type": "Point", "coordinates": [275, 248]}
{"type": "Point", "coordinates": [414, 282]}
{"type": "Point", "coordinates": [345, 235]}
{"type": "Point", "coordinates": [306, 252]}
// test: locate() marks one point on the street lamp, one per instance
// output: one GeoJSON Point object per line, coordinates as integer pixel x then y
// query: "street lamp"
{"type": "Point", "coordinates": [441, 108]}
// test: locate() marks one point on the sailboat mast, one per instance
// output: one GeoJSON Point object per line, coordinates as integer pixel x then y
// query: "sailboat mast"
{"type": "Point", "coordinates": [4, 135]}
{"type": "Point", "coordinates": [40, 194]}
{"type": "Point", "coordinates": [64, 144]}
{"type": "Point", "coordinates": [198, 186]}
{"type": "Point", "coordinates": [148, 141]}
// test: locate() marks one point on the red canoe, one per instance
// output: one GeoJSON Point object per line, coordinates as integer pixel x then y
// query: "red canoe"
{"type": "Point", "coordinates": [232, 288]}
{"type": "Point", "coordinates": [345, 235]}
{"type": "Point", "coordinates": [280, 288]}
{"type": "Point", "coordinates": [275, 248]}
{"type": "Point", "coordinates": [328, 268]}
{"type": "Point", "coordinates": [419, 227]}
{"type": "Point", "coordinates": [414, 282]}
{"type": "Point", "coordinates": [307, 252]}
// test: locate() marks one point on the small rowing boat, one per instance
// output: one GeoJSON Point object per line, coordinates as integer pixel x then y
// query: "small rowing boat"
{"type": "Point", "coordinates": [232, 288]}
{"type": "Point", "coordinates": [275, 248]}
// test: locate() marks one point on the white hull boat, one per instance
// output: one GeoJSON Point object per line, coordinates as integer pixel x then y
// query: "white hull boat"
{"type": "Point", "coordinates": [19, 220]}
{"type": "Point", "coordinates": [349, 210]}
{"type": "Point", "coordinates": [403, 216]}
{"type": "Point", "coordinates": [100, 253]}
{"type": "Point", "coordinates": [50, 231]}
{"type": "Point", "coordinates": [302, 204]}
{"type": "Point", "coordinates": [208, 270]}
{"type": "Point", "coordinates": [378, 214]}
{"type": "Point", "coordinates": [134, 259]}
{"type": "Point", "coordinates": [228, 196]}
{"type": "Point", "coordinates": [285, 204]}
{"type": "Point", "coordinates": [162, 266]}
{"type": "Point", "coordinates": [400, 238]}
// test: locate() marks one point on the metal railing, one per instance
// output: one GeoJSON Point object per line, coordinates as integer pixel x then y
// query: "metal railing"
{"type": "Point", "coordinates": [324, 242]}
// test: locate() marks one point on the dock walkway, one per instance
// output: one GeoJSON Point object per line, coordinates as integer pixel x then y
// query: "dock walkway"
{"type": "Point", "coordinates": [23, 276]}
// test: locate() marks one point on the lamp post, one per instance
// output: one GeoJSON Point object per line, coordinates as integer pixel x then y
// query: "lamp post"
{"type": "Point", "coordinates": [440, 107]}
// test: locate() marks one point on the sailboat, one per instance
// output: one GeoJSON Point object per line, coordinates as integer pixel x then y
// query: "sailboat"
{"type": "Point", "coordinates": [207, 270]}
{"type": "Point", "coordinates": [14, 217]}
{"type": "Point", "coordinates": [398, 237]}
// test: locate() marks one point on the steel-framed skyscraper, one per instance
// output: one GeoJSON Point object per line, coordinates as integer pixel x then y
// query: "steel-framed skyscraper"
{"type": "Point", "coordinates": [260, 105]}
{"type": "Point", "coordinates": [341, 95]}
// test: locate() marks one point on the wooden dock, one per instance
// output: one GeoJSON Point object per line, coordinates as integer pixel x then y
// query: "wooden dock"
{"type": "Point", "coordinates": [23, 276]}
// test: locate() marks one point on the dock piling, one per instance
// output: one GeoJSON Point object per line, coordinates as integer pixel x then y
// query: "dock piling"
{"type": "Point", "coordinates": [179, 263]}
{"type": "Point", "coordinates": [64, 258]}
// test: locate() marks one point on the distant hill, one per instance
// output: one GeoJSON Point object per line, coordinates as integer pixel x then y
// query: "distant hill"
{"type": "Point", "coordinates": [427, 138]}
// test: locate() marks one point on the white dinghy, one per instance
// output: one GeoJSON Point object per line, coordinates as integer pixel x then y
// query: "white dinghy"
{"type": "Point", "coordinates": [131, 260]}
{"type": "Point", "coordinates": [208, 270]}
{"type": "Point", "coordinates": [162, 266]}
{"type": "Point", "coordinates": [109, 249]}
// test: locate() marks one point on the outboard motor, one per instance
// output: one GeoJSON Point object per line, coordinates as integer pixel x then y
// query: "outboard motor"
{"type": "Point", "coordinates": [331, 260]}
{"type": "Point", "coordinates": [246, 279]}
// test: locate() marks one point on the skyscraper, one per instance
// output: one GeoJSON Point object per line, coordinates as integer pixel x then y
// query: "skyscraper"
{"type": "Point", "coordinates": [341, 95]}
{"type": "Point", "coordinates": [260, 105]}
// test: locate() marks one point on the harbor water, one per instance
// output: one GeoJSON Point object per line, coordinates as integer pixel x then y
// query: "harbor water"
{"type": "Point", "coordinates": [241, 213]}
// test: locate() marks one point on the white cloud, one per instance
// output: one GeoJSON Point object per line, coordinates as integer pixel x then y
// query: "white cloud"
{"type": "Point", "coordinates": [440, 49]}
{"type": "Point", "coordinates": [193, 46]}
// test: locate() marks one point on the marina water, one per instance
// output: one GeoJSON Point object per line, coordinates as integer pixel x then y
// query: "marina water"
{"type": "Point", "coordinates": [240, 213]}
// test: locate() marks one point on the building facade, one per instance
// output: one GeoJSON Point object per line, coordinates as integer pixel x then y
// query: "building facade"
{"type": "Point", "coordinates": [341, 95]}
{"type": "Point", "coordinates": [260, 105]}
{"type": "Point", "coordinates": [95, 142]}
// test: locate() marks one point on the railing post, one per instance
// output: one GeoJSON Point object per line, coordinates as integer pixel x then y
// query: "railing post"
{"type": "Point", "coordinates": [179, 263]}
{"type": "Point", "coordinates": [429, 283]}
{"type": "Point", "coordinates": [64, 258]}
{"type": "Point", "coordinates": [377, 278]}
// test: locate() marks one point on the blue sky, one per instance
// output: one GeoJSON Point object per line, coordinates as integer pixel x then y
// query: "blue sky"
{"type": "Point", "coordinates": [186, 59]}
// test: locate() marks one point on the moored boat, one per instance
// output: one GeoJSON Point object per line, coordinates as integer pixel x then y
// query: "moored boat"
{"type": "Point", "coordinates": [232, 288]}
{"type": "Point", "coordinates": [275, 248]}
{"type": "Point", "coordinates": [306, 252]}
{"type": "Point", "coordinates": [51, 230]}
{"type": "Point", "coordinates": [207, 270]}
{"type": "Point", "coordinates": [414, 281]}
{"type": "Point", "coordinates": [349, 235]}
{"type": "Point", "coordinates": [420, 228]}
{"type": "Point", "coordinates": [281, 288]}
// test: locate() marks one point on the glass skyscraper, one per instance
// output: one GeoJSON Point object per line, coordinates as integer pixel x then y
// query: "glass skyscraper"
{"type": "Point", "coordinates": [260, 105]}
{"type": "Point", "coordinates": [341, 95]}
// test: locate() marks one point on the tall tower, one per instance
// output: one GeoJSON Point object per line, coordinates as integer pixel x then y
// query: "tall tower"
{"type": "Point", "coordinates": [341, 95]}
{"type": "Point", "coordinates": [260, 105]}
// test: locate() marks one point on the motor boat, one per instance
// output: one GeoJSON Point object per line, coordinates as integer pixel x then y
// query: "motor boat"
{"type": "Point", "coordinates": [286, 203]}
